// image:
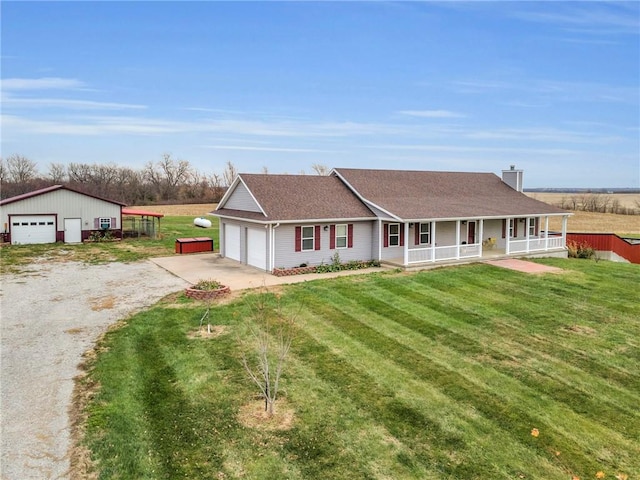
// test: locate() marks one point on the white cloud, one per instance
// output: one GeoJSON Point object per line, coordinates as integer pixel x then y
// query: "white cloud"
{"type": "Point", "coordinates": [265, 149]}
{"type": "Point", "coordinates": [66, 103]}
{"type": "Point", "coordinates": [45, 83]}
{"type": "Point", "coordinates": [432, 113]}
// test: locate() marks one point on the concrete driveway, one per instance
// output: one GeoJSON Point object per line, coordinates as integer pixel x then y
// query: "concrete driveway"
{"type": "Point", "coordinates": [210, 266]}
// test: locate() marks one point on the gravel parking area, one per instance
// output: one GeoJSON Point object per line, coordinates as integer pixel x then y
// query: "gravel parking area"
{"type": "Point", "coordinates": [51, 315]}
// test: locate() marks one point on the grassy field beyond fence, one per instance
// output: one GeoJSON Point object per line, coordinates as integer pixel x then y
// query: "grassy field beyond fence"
{"type": "Point", "coordinates": [470, 372]}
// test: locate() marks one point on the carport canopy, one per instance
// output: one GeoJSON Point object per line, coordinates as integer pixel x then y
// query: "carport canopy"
{"type": "Point", "coordinates": [137, 222]}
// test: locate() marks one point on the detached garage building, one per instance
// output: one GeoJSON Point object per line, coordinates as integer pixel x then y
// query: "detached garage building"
{"type": "Point", "coordinates": [58, 214]}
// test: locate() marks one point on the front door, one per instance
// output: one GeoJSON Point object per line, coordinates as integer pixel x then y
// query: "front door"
{"type": "Point", "coordinates": [72, 230]}
{"type": "Point", "coordinates": [471, 233]}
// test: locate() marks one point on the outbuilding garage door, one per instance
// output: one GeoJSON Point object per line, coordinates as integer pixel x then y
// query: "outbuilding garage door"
{"type": "Point", "coordinates": [257, 248]}
{"type": "Point", "coordinates": [30, 229]}
{"type": "Point", "coordinates": [232, 241]}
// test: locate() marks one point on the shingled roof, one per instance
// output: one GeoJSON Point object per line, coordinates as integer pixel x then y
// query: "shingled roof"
{"type": "Point", "coordinates": [415, 195]}
{"type": "Point", "coordinates": [299, 197]}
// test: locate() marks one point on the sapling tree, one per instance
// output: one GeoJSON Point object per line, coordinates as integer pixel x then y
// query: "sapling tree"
{"type": "Point", "coordinates": [270, 333]}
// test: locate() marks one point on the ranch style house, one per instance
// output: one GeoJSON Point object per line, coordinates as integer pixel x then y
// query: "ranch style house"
{"type": "Point", "coordinates": [401, 217]}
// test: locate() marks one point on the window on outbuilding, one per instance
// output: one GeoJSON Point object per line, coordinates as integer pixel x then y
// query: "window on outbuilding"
{"type": "Point", "coordinates": [104, 223]}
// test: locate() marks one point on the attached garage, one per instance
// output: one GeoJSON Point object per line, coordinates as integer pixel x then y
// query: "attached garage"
{"type": "Point", "coordinates": [58, 214]}
{"type": "Point", "coordinates": [29, 229]}
{"type": "Point", "coordinates": [257, 248]}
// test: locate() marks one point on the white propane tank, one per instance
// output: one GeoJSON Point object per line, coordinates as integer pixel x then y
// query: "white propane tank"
{"type": "Point", "coordinates": [202, 222]}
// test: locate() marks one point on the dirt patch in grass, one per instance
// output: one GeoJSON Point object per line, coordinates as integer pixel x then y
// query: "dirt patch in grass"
{"type": "Point", "coordinates": [253, 415]}
{"type": "Point", "coordinates": [581, 329]}
{"type": "Point", "coordinates": [214, 331]}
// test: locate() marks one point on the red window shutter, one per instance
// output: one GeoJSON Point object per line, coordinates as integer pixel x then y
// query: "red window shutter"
{"type": "Point", "coordinates": [317, 238]}
{"type": "Point", "coordinates": [402, 234]}
{"type": "Point", "coordinates": [350, 235]}
{"type": "Point", "coordinates": [515, 227]}
{"type": "Point", "coordinates": [504, 228]}
{"type": "Point", "coordinates": [298, 239]}
{"type": "Point", "coordinates": [332, 237]}
{"type": "Point", "coordinates": [417, 234]}
{"type": "Point", "coordinates": [386, 234]}
{"type": "Point", "coordinates": [537, 226]}
{"type": "Point", "coordinates": [96, 223]}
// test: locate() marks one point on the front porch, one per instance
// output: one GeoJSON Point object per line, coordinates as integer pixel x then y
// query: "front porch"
{"type": "Point", "coordinates": [464, 241]}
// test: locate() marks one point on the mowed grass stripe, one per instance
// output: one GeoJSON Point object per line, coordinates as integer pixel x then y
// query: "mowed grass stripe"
{"type": "Point", "coordinates": [544, 373]}
{"type": "Point", "coordinates": [453, 417]}
{"type": "Point", "coordinates": [534, 332]}
{"type": "Point", "coordinates": [459, 387]}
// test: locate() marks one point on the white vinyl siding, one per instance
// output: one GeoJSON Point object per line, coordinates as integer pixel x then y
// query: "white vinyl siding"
{"type": "Point", "coordinates": [241, 199]}
{"type": "Point", "coordinates": [286, 256]}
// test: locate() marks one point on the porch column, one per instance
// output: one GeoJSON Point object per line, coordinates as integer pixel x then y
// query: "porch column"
{"type": "Point", "coordinates": [546, 232]}
{"type": "Point", "coordinates": [480, 234]}
{"type": "Point", "coordinates": [433, 240]}
{"type": "Point", "coordinates": [380, 239]}
{"type": "Point", "coordinates": [565, 219]}
{"type": "Point", "coordinates": [457, 239]}
{"type": "Point", "coordinates": [507, 235]}
{"type": "Point", "coordinates": [405, 225]}
{"type": "Point", "coordinates": [526, 227]}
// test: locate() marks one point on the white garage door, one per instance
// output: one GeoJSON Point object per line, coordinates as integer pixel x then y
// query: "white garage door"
{"type": "Point", "coordinates": [257, 248]}
{"type": "Point", "coordinates": [232, 241]}
{"type": "Point", "coordinates": [33, 229]}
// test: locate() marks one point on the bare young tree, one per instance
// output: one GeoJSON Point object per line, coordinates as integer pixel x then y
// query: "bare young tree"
{"type": "Point", "coordinates": [230, 173]}
{"type": "Point", "coordinates": [271, 333]}
{"type": "Point", "coordinates": [320, 169]}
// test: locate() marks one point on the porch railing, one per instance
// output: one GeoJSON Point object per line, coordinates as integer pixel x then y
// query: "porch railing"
{"type": "Point", "coordinates": [448, 252]}
{"type": "Point", "coordinates": [456, 252]}
{"type": "Point", "coordinates": [536, 244]}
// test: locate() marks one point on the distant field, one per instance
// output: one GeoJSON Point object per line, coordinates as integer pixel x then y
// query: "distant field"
{"type": "Point", "coordinates": [625, 200]}
{"type": "Point", "coordinates": [595, 222]}
{"type": "Point", "coordinates": [188, 209]}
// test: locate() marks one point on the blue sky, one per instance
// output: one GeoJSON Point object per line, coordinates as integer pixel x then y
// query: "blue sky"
{"type": "Point", "coordinates": [552, 87]}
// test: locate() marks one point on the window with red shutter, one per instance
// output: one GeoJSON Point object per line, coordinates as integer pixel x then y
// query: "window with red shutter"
{"type": "Point", "coordinates": [298, 239]}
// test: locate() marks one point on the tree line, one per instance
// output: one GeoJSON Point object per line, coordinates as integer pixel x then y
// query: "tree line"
{"type": "Point", "coordinates": [165, 181]}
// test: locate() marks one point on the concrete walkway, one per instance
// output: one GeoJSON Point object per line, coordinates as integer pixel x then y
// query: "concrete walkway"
{"type": "Point", "coordinates": [210, 266]}
{"type": "Point", "coordinates": [523, 266]}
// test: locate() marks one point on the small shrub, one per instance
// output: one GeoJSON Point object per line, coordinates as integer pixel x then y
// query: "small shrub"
{"type": "Point", "coordinates": [207, 285]}
{"type": "Point", "coordinates": [580, 250]}
{"type": "Point", "coordinates": [100, 236]}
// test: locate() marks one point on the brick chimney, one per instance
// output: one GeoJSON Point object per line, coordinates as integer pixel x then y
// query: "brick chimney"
{"type": "Point", "coordinates": [513, 178]}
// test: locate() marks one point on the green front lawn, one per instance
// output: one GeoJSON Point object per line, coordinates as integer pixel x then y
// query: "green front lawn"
{"type": "Point", "coordinates": [15, 257]}
{"type": "Point", "coordinates": [469, 372]}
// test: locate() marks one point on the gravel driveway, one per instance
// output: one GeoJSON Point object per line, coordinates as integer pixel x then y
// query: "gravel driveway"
{"type": "Point", "coordinates": [51, 315]}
